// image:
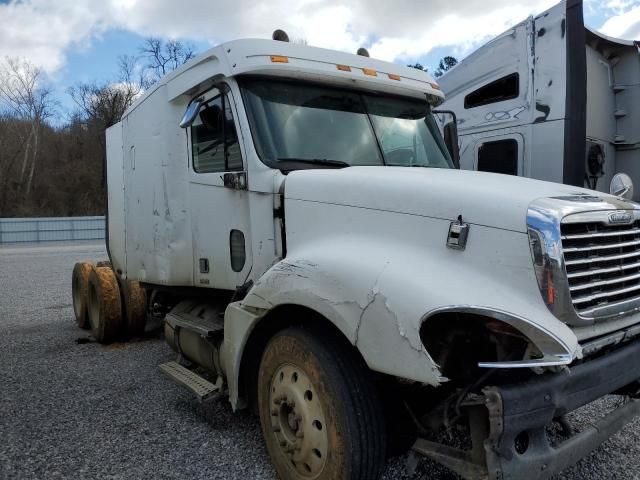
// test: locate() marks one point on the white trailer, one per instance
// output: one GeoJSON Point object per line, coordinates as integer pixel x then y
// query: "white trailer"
{"type": "Point", "coordinates": [294, 217]}
{"type": "Point", "coordinates": [550, 99]}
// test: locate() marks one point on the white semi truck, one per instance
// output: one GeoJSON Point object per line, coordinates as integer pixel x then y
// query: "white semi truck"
{"type": "Point", "coordinates": [550, 99]}
{"type": "Point", "coordinates": [294, 217]}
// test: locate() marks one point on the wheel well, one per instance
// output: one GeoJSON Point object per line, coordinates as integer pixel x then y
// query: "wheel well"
{"type": "Point", "coordinates": [277, 319]}
{"type": "Point", "coordinates": [458, 341]}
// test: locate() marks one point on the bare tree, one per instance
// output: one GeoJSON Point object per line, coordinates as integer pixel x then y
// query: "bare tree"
{"type": "Point", "coordinates": [162, 57]}
{"type": "Point", "coordinates": [25, 98]}
{"type": "Point", "coordinates": [103, 103]}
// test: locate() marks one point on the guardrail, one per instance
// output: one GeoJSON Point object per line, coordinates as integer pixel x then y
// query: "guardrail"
{"type": "Point", "coordinates": [14, 230]}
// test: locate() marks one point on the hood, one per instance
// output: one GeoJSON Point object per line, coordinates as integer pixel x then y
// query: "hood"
{"type": "Point", "coordinates": [482, 198]}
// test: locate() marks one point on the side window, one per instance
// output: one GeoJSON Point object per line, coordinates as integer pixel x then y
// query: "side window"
{"type": "Point", "coordinates": [500, 156]}
{"type": "Point", "coordinates": [504, 88]}
{"type": "Point", "coordinates": [214, 140]}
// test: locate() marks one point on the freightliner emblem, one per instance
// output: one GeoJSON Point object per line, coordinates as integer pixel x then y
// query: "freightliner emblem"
{"type": "Point", "coordinates": [620, 217]}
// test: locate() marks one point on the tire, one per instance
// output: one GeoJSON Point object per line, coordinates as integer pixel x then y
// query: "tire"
{"type": "Point", "coordinates": [134, 305]}
{"type": "Point", "coordinates": [320, 415]}
{"type": "Point", "coordinates": [104, 305]}
{"type": "Point", "coordinates": [79, 289]}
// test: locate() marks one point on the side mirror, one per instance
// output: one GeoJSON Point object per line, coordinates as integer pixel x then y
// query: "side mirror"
{"type": "Point", "coordinates": [448, 124]}
{"type": "Point", "coordinates": [621, 186]}
{"type": "Point", "coordinates": [191, 113]}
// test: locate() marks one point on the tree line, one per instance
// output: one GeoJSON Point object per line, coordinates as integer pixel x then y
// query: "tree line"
{"type": "Point", "coordinates": [57, 168]}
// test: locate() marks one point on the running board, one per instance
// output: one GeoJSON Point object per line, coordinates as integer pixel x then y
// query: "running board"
{"type": "Point", "coordinates": [202, 388]}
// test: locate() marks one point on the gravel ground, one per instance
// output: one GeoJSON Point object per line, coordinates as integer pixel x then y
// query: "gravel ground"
{"type": "Point", "coordinates": [70, 410]}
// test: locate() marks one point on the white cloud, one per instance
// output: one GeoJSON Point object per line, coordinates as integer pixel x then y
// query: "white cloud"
{"type": "Point", "coordinates": [620, 6]}
{"type": "Point", "coordinates": [624, 25]}
{"type": "Point", "coordinates": [463, 30]}
{"type": "Point", "coordinates": [44, 30]}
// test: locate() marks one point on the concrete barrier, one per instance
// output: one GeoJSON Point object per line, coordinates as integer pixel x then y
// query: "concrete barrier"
{"type": "Point", "coordinates": [13, 230]}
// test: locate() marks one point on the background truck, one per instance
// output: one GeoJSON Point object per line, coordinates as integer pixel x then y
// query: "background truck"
{"type": "Point", "coordinates": [550, 99]}
{"type": "Point", "coordinates": [294, 217]}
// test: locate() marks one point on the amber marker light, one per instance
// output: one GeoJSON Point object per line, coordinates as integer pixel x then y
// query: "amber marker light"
{"type": "Point", "coordinates": [393, 76]}
{"type": "Point", "coordinates": [370, 71]}
{"type": "Point", "coordinates": [344, 68]}
{"type": "Point", "coordinates": [550, 289]}
{"type": "Point", "coordinates": [279, 59]}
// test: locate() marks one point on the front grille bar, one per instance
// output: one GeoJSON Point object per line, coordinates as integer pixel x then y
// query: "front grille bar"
{"type": "Point", "coordinates": [615, 233]}
{"type": "Point", "coordinates": [607, 258]}
{"type": "Point", "coordinates": [589, 248]}
{"type": "Point", "coordinates": [604, 283]}
{"type": "Point", "coordinates": [610, 293]}
{"type": "Point", "coordinates": [601, 271]}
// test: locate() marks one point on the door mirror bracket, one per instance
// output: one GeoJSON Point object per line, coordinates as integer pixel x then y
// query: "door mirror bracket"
{"type": "Point", "coordinates": [450, 136]}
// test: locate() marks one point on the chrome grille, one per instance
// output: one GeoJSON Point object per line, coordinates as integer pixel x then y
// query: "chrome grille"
{"type": "Point", "coordinates": [603, 265]}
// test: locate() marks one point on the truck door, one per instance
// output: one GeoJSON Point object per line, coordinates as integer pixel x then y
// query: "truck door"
{"type": "Point", "coordinates": [218, 196]}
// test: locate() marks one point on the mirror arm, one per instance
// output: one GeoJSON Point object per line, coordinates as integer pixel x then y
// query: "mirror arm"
{"type": "Point", "coordinates": [455, 154]}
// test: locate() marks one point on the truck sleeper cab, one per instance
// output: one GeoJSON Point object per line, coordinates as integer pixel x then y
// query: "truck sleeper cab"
{"type": "Point", "coordinates": [550, 99]}
{"type": "Point", "coordinates": [295, 218]}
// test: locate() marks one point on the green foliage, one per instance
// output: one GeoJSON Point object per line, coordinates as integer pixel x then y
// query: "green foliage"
{"type": "Point", "coordinates": [446, 64]}
{"type": "Point", "coordinates": [418, 66]}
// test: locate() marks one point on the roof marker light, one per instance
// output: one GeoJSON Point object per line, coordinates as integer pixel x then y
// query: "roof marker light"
{"type": "Point", "coordinates": [280, 36]}
{"type": "Point", "coordinates": [344, 68]}
{"type": "Point", "coordinates": [435, 86]}
{"type": "Point", "coordinates": [279, 59]}
{"type": "Point", "coordinates": [370, 71]}
{"type": "Point", "coordinates": [393, 76]}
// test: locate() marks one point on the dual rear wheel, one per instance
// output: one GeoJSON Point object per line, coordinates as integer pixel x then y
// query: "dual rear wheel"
{"type": "Point", "coordinates": [112, 310]}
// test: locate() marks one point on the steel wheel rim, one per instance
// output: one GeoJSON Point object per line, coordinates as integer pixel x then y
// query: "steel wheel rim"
{"type": "Point", "coordinates": [297, 421]}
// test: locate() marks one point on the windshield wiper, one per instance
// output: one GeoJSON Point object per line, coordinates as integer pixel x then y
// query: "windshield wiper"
{"type": "Point", "coordinates": [289, 164]}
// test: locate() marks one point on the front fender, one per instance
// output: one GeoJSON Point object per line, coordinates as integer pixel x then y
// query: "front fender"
{"type": "Point", "coordinates": [348, 291]}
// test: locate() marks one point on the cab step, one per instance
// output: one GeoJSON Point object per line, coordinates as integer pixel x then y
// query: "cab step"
{"type": "Point", "coordinates": [202, 388]}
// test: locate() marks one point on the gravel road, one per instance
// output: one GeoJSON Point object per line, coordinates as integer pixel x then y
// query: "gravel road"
{"type": "Point", "coordinates": [82, 410]}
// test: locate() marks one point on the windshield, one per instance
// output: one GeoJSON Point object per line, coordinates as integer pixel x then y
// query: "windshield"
{"type": "Point", "coordinates": [306, 123]}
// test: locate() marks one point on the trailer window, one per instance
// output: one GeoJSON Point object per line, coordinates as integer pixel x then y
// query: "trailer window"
{"type": "Point", "coordinates": [214, 140]}
{"type": "Point", "coordinates": [499, 90]}
{"type": "Point", "coordinates": [500, 156]}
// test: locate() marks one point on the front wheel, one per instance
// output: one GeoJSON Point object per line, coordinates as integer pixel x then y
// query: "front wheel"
{"type": "Point", "coordinates": [319, 412]}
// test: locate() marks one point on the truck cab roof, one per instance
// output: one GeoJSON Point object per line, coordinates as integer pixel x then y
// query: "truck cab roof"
{"type": "Point", "coordinates": [294, 61]}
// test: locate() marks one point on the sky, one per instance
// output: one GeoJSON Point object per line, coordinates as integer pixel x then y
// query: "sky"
{"type": "Point", "coordinates": [80, 40]}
